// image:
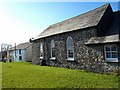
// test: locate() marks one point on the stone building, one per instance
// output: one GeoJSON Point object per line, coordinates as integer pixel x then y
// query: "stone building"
{"type": "Point", "coordinates": [90, 41]}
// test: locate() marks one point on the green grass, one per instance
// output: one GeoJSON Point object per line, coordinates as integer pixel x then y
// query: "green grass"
{"type": "Point", "coordinates": [26, 75]}
{"type": "Point", "coordinates": [0, 75]}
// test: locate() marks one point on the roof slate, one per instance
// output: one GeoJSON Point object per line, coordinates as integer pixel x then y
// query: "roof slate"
{"type": "Point", "coordinates": [104, 39]}
{"type": "Point", "coordinates": [21, 46]}
{"type": "Point", "coordinates": [85, 20]}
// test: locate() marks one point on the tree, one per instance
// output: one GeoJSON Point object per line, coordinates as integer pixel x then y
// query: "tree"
{"type": "Point", "coordinates": [5, 50]}
{"type": "Point", "coordinates": [5, 47]}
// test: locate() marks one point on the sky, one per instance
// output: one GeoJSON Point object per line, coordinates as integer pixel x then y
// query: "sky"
{"type": "Point", "coordinates": [20, 21]}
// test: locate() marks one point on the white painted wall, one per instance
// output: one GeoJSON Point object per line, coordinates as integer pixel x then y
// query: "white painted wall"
{"type": "Point", "coordinates": [16, 58]}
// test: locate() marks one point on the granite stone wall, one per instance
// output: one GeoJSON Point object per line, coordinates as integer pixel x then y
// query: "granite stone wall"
{"type": "Point", "coordinates": [35, 52]}
{"type": "Point", "coordinates": [28, 54]}
{"type": "Point", "coordinates": [87, 57]}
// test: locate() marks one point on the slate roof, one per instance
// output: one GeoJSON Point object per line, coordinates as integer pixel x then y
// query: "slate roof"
{"type": "Point", "coordinates": [21, 46]}
{"type": "Point", "coordinates": [104, 39]}
{"type": "Point", "coordinates": [85, 20]}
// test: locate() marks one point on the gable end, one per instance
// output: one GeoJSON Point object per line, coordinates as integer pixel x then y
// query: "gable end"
{"type": "Point", "coordinates": [105, 22]}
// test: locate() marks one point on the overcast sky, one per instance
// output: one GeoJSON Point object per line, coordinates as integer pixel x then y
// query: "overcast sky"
{"type": "Point", "coordinates": [19, 21]}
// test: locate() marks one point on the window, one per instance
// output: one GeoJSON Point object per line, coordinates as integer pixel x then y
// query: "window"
{"type": "Point", "coordinates": [70, 49]}
{"type": "Point", "coordinates": [20, 57]}
{"type": "Point", "coordinates": [111, 53]}
{"type": "Point", "coordinates": [19, 51]}
{"type": "Point", "coordinates": [52, 49]}
{"type": "Point", "coordinates": [41, 50]}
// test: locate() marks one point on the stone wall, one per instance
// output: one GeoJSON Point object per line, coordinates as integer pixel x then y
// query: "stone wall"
{"type": "Point", "coordinates": [79, 37]}
{"type": "Point", "coordinates": [100, 65]}
{"type": "Point", "coordinates": [35, 52]}
{"type": "Point", "coordinates": [87, 57]}
{"type": "Point", "coordinates": [28, 54]}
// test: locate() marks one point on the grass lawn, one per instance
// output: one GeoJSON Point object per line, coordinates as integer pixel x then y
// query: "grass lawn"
{"type": "Point", "coordinates": [0, 75]}
{"type": "Point", "coordinates": [26, 75]}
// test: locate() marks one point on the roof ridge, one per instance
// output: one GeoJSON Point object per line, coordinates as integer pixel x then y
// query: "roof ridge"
{"type": "Point", "coordinates": [80, 14]}
{"type": "Point", "coordinates": [85, 20]}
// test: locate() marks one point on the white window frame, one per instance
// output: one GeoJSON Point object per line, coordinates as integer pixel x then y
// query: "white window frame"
{"type": "Point", "coordinates": [69, 58]}
{"type": "Point", "coordinates": [110, 59]}
{"type": "Point", "coordinates": [51, 49]}
{"type": "Point", "coordinates": [41, 47]}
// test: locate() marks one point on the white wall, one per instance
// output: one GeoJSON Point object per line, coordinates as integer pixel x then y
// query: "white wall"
{"type": "Point", "coordinates": [16, 58]}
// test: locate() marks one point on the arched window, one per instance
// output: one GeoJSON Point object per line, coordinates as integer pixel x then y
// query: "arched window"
{"type": "Point", "coordinates": [41, 50]}
{"type": "Point", "coordinates": [52, 49]}
{"type": "Point", "coordinates": [70, 49]}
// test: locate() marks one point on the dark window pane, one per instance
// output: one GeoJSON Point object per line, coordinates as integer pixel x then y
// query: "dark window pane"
{"type": "Point", "coordinates": [114, 55]}
{"type": "Point", "coordinates": [114, 48]}
{"type": "Point", "coordinates": [20, 57]}
{"type": "Point", "coordinates": [20, 51]}
{"type": "Point", "coordinates": [70, 53]}
{"type": "Point", "coordinates": [108, 55]}
{"type": "Point", "coordinates": [107, 48]}
{"type": "Point", "coordinates": [53, 52]}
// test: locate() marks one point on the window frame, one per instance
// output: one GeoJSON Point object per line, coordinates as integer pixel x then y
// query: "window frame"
{"type": "Point", "coordinates": [69, 58]}
{"type": "Point", "coordinates": [110, 59]}
{"type": "Point", "coordinates": [41, 53]}
{"type": "Point", "coordinates": [51, 49]}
